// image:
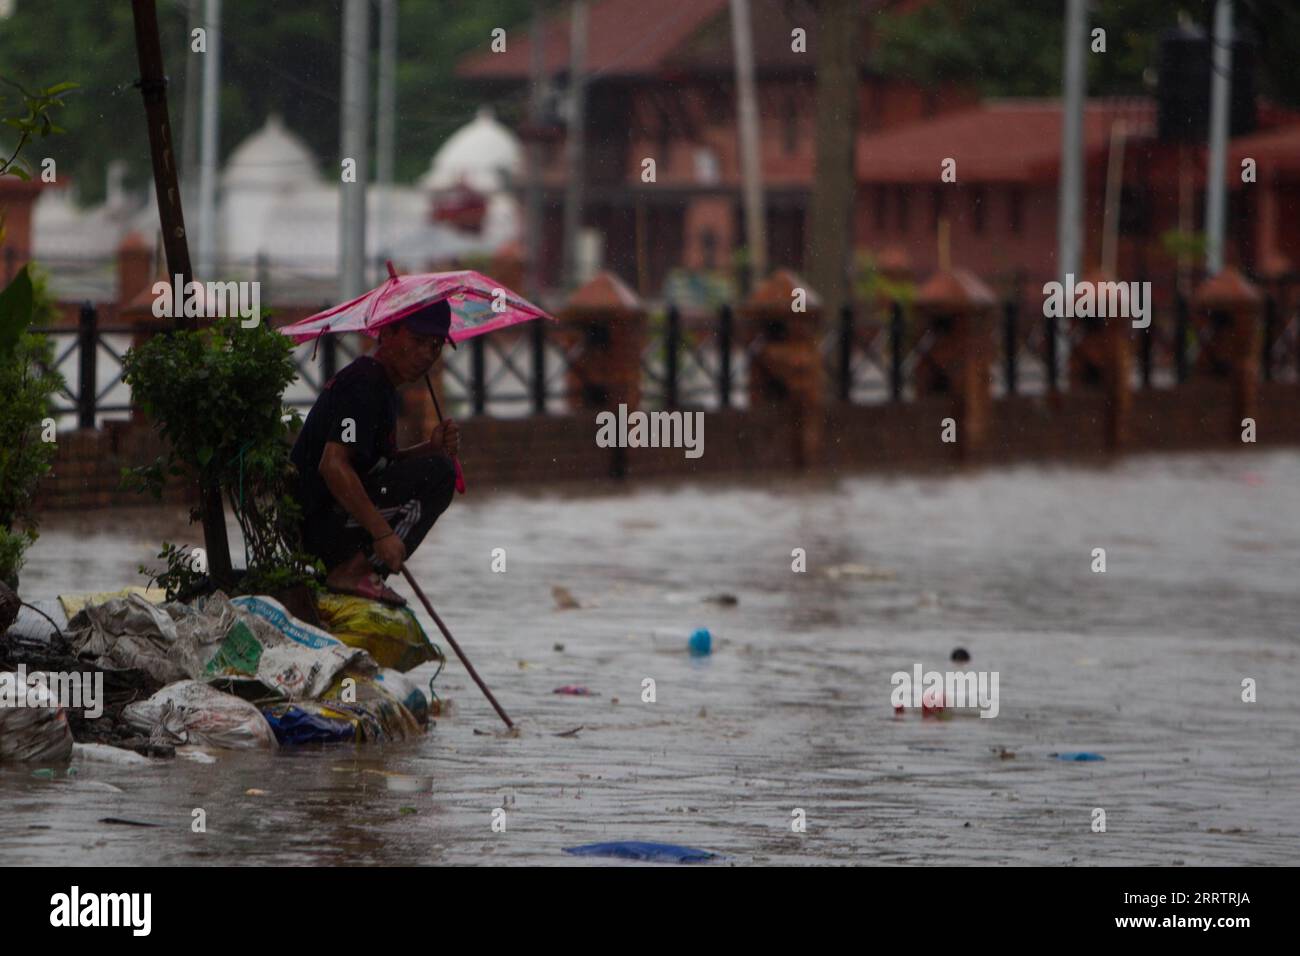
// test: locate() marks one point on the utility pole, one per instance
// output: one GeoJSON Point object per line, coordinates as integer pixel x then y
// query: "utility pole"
{"type": "Point", "coordinates": [209, 147]}
{"type": "Point", "coordinates": [536, 97]}
{"type": "Point", "coordinates": [1069, 226]}
{"type": "Point", "coordinates": [1220, 87]}
{"type": "Point", "coordinates": [575, 139]}
{"type": "Point", "coordinates": [828, 242]}
{"type": "Point", "coordinates": [385, 127]}
{"type": "Point", "coordinates": [747, 122]}
{"type": "Point", "coordinates": [352, 137]}
{"type": "Point", "coordinates": [153, 87]}
{"type": "Point", "coordinates": [190, 129]}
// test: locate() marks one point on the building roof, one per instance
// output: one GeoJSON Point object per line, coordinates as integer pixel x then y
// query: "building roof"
{"type": "Point", "coordinates": [998, 141]}
{"type": "Point", "coordinates": [627, 38]}
{"type": "Point", "coordinates": [1275, 150]}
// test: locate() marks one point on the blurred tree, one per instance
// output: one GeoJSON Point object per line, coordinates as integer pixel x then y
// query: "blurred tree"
{"type": "Point", "coordinates": [1013, 48]}
{"type": "Point", "coordinates": [281, 56]}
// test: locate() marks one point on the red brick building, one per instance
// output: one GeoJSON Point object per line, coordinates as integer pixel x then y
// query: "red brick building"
{"type": "Point", "coordinates": [661, 86]}
{"type": "Point", "coordinates": [1002, 206]}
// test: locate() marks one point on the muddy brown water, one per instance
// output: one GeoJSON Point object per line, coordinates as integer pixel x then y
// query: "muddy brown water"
{"type": "Point", "coordinates": [1143, 664]}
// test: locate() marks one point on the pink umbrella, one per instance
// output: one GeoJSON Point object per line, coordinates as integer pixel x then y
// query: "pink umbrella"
{"type": "Point", "coordinates": [478, 306]}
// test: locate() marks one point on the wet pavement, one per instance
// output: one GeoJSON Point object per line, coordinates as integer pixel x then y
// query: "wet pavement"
{"type": "Point", "coordinates": [1143, 663]}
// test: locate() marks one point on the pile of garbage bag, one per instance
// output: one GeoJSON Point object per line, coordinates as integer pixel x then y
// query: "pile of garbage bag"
{"type": "Point", "coordinates": [238, 673]}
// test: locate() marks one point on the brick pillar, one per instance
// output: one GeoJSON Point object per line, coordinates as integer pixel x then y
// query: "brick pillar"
{"type": "Point", "coordinates": [785, 371]}
{"type": "Point", "coordinates": [609, 319]}
{"type": "Point", "coordinates": [135, 298]}
{"type": "Point", "coordinates": [1227, 312]}
{"type": "Point", "coordinates": [134, 268]}
{"type": "Point", "coordinates": [1101, 356]}
{"type": "Point", "coordinates": [956, 308]}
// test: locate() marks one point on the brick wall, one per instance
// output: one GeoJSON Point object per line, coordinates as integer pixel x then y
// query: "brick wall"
{"type": "Point", "coordinates": [510, 453]}
{"type": "Point", "coordinates": [87, 471]}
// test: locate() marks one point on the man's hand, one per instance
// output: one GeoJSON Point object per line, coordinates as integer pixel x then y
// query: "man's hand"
{"type": "Point", "coordinates": [390, 550]}
{"type": "Point", "coordinates": [445, 439]}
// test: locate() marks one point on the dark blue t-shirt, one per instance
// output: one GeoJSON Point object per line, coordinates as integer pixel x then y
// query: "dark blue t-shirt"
{"type": "Point", "coordinates": [357, 407]}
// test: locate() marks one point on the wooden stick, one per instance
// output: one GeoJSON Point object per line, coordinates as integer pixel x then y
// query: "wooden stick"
{"type": "Point", "coordinates": [456, 647]}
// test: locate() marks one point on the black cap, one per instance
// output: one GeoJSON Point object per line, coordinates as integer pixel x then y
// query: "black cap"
{"type": "Point", "coordinates": [432, 319]}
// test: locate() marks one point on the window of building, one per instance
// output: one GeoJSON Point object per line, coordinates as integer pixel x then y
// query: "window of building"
{"type": "Point", "coordinates": [901, 207]}
{"type": "Point", "coordinates": [790, 127]}
{"type": "Point", "coordinates": [706, 166]}
{"type": "Point", "coordinates": [1134, 211]}
{"type": "Point", "coordinates": [978, 207]}
{"type": "Point", "coordinates": [664, 138]}
{"type": "Point", "coordinates": [709, 248]}
{"type": "Point", "coordinates": [1016, 210]}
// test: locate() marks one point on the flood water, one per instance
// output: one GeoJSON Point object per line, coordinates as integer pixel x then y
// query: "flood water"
{"type": "Point", "coordinates": [1143, 664]}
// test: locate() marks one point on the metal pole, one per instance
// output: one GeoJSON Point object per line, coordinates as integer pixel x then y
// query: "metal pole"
{"type": "Point", "coordinates": [1010, 342]}
{"type": "Point", "coordinates": [1220, 87]}
{"type": "Point", "coordinates": [193, 89]}
{"type": "Point", "coordinates": [536, 99]}
{"type": "Point", "coordinates": [385, 125]}
{"type": "Point", "coordinates": [352, 140]}
{"type": "Point", "coordinates": [574, 154]}
{"type": "Point", "coordinates": [209, 146]}
{"type": "Point", "coordinates": [538, 338]}
{"type": "Point", "coordinates": [747, 122]}
{"type": "Point", "coordinates": [478, 376]}
{"type": "Point", "coordinates": [672, 337]}
{"type": "Point", "coordinates": [724, 356]}
{"type": "Point", "coordinates": [87, 380]}
{"type": "Point", "coordinates": [1069, 225]}
{"type": "Point", "coordinates": [896, 352]}
{"type": "Point", "coordinates": [846, 352]}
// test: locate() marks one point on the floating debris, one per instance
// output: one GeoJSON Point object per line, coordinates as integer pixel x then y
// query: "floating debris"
{"type": "Point", "coordinates": [863, 571]}
{"type": "Point", "coordinates": [564, 600]}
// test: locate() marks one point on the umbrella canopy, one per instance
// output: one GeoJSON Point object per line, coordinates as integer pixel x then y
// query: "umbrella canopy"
{"type": "Point", "coordinates": [471, 295]}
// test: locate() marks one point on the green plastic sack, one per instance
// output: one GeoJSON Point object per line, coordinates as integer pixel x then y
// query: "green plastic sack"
{"type": "Point", "coordinates": [392, 635]}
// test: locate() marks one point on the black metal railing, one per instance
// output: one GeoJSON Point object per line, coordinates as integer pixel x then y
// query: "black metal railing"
{"type": "Point", "coordinates": [871, 354]}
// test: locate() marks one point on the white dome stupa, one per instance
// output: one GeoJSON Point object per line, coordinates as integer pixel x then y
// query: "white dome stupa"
{"type": "Point", "coordinates": [483, 155]}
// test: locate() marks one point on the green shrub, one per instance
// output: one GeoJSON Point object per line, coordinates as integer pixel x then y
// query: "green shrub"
{"type": "Point", "coordinates": [26, 383]}
{"type": "Point", "coordinates": [215, 395]}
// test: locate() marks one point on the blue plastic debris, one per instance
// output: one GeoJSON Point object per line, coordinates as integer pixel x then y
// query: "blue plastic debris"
{"type": "Point", "coordinates": [1078, 755]}
{"type": "Point", "coordinates": [649, 852]}
{"type": "Point", "coordinates": [701, 643]}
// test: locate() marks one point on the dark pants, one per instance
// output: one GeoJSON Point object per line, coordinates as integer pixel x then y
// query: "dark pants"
{"type": "Point", "coordinates": [410, 494]}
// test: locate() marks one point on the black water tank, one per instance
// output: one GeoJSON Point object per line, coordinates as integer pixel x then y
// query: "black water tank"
{"type": "Point", "coordinates": [1183, 90]}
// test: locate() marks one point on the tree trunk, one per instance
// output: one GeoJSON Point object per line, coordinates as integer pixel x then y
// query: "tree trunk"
{"type": "Point", "coordinates": [829, 238]}
{"type": "Point", "coordinates": [153, 87]}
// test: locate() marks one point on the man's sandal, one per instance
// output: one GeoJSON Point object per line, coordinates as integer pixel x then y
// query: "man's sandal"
{"type": "Point", "coordinates": [372, 590]}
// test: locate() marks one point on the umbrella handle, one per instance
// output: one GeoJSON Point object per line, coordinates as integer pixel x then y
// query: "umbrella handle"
{"type": "Point", "coordinates": [460, 475]}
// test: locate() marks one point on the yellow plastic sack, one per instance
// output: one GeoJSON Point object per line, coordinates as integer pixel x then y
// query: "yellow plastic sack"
{"type": "Point", "coordinates": [392, 635]}
{"type": "Point", "coordinates": [73, 603]}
